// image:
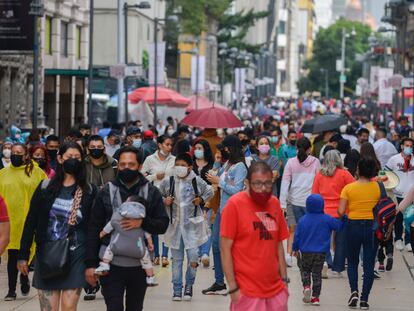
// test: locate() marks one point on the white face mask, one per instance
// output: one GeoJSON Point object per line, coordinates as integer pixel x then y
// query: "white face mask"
{"type": "Point", "coordinates": [7, 153]}
{"type": "Point", "coordinates": [170, 132]}
{"type": "Point", "coordinates": [181, 171]}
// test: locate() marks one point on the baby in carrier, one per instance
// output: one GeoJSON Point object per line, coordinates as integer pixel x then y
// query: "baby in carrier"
{"type": "Point", "coordinates": [128, 243]}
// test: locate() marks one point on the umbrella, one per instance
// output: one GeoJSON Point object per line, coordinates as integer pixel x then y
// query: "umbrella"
{"type": "Point", "coordinates": [212, 118]}
{"type": "Point", "coordinates": [324, 123]}
{"type": "Point", "coordinates": [164, 96]}
{"type": "Point", "coordinates": [203, 103]}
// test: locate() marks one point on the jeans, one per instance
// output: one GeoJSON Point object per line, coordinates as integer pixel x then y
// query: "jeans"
{"type": "Point", "coordinates": [205, 248]}
{"type": "Point", "coordinates": [399, 227]}
{"type": "Point", "coordinates": [177, 267]}
{"type": "Point", "coordinates": [157, 247]}
{"type": "Point", "coordinates": [338, 264]}
{"type": "Point", "coordinates": [298, 211]}
{"type": "Point", "coordinates": [218, 269]}
{"type": "Point", "coordinates": [360, 233]}
{"type": "Point", "coordinates": [121, 281]}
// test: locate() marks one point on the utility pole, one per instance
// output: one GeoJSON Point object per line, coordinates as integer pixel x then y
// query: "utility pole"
{"type": "Point", "coordinates": [178, 71]}
{"type": "Point", "coordinates": [120, 57]}
{"type": "Point", "coordinates": [90, 69]}
{"type": "Point", "coordinates": [126, 60]}
{"type": "Point", "coordinates": [342, 82]}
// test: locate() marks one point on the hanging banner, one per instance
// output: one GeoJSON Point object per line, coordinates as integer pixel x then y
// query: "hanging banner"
{"type": "Point", "coordinates": [160, 63]}
{"type": "Point", "coordinates": [373, 79]}
{"type": "Point", "coordinates": [16, 26]}
{"type": "Point", "coordinates": [240, 78]}
{"type": "Point", "coordinates": [385, 90]}
{"type": "Point", "coordinates": [201, 73]}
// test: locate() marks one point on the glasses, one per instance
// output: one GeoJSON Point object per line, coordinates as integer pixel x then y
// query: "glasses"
{"type": "Point", "coordinates": [259, 184]}
{"type": "Point", "coordinates": [98, 148]}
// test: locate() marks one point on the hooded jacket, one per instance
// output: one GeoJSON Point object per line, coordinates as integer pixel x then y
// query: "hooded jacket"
{"type": "Point", "coordinates": [101, 174]}
{"type": "Point", "coordinates": [297, 181]}
{"type": "Point", "coordinates": [313, 232]}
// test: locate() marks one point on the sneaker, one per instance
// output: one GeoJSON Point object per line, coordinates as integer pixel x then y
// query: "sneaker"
{"type": "Point", "coordinates": [353, 300]}
{"type": "Point", "coordinates": [151, 281]}
{"type": "Point", "coordinates": [177, 297]}
{"type": "Point", "coordinates": [205, 260]}
{"type": "Point", "coordinates": [165, 262]}
{"type": "Point", "coordinates": [363, 305]}
{"type": "Point", "coordinates": [325, 271]}
{"type": "Point", "coordinates": [215, 289]}
{"type": "Point", "coordinates": [315, 301]}
{"type": "Point", "coordinates": [381, 268]}
{"type": "Point", "coordinates": [24, 286]}
{"type": "Point", "coordinates": [306, 294]}
{"type": "Point", "coordinates": [11, 296]}
{"type": "Point", "coordinates": [376, 275]}
{"type": "Point", "coordinates": [399, 245]}
{"type": "Point", "coordinates": [91, 293]}
{"type": "Point", "coordinates": [408, 248]}
{"type": "Point", "coordinates": [103, 268]}
{"type": "Point", "coordinates": [156, 261]}
{"type": "Point", "coordinates": [390, 262]}
{"type": "Point", "coordinates": [188, 293]}
{"type": "Point", "coordinates": [336, 275]}
{"type": "Point", "coordinates": [289, 260]}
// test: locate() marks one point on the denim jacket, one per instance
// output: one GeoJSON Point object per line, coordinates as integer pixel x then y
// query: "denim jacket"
{"type": "Point", "coordinates": [231, 181]}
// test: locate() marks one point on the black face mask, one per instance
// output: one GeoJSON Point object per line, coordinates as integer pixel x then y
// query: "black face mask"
{"type": "Point", "coordinates": [96, 153]}
{"type": "Point", "coordinates": [292, 142]}
{"type": "Point", "coordinates": [72, 166]}
{"type": "Point", "coordinates": [127, 175]}
{"type": "Point", "coordinates": [42, 163]}
{"type": "Point", "coordinates": [224, 155]}
{"type": "Point", "coordinates": [16, 160]}
{"type": "Point", "coordinates": [245, 142]}
{"type": "Point", "coordinates": [52, 154]}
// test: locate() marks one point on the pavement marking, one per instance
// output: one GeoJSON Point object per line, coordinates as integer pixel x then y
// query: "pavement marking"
{"type": "Point", "coordinates": [410, 268]}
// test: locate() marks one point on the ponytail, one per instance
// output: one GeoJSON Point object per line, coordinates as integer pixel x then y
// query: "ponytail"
{"type": "Point", "coordinates": [303, 145]}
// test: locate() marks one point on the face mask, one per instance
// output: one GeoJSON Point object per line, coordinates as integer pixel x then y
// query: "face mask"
{"type": "Point", "coordinates": [260, 198]}
{"type": "Point", "coordinates": [7, 153]}
{"type": "Point", "coordinates": [42, 162]}
{"type": "Point", "coordinates": [137, 143]}
{"type": "Point", "coordinates": [292, 142]}
{"type": "Point", "coordinates": [96, 153]}
{"type": "Point", "coordinates": [408, 151]}
{"type": "Point", "coordinates": [274, 139]}
{"type": "Point", "coordinates": [186, 137]}
{"type": "Point", "coordinates": [165, 154]}
{"type": "Point", "coordinates": [71, 166]}
{"type": "Point", "coordinates": [224, 155]}
{"type": "Point", "coordinates": [181, 171]}
{"type": "Point", "coordinates": [141, 128]}
{"type": "Point", "coordinates": [16, 160]}
{"type": "Point", "coordinates": [127, 175]}
{"type": "Point", "coordinates": [199, 154]}
{"type": "Point", "coordinates": [245, 142]}
{"type": "Point", "coordinates": [170, 132]}
{"type": "Point", "coordinates": [17, 136]}
{"type": "Point", "coordinates": [52, 154]}
{"type": "Point", "coordinates": [264, 149]}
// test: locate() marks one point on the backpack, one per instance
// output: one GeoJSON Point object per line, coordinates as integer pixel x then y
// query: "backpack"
{"type": "Point", "coordinates": [172, 191]}
{"type": "Point", "coordinates": [384, 215]}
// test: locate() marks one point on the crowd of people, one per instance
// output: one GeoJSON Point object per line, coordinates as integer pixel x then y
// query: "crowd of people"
{"type": "Point", "coordinates": [100, 208]}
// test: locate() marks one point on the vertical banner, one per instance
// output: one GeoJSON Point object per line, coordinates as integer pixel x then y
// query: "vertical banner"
{"type": "Point", "coordinates": [160, 63]}
{"type": "Point", "coordinates": [201, 73]}
{"type": "Point", "coordinates": [384, 88]}
{"type": "Point", "coordinates": [239, 79]}
{"type": "Point", "coordinates": [373, 79]}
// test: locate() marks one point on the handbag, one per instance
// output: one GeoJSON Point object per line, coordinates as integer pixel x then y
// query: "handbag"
{"type": "Point", "coordinates": [54, 256]}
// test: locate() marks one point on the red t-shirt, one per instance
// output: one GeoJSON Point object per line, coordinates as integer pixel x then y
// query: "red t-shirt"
{"type": "Point", "coordinates": [4, 217]}
{"type": "Point", "coordinates": [256, 232]}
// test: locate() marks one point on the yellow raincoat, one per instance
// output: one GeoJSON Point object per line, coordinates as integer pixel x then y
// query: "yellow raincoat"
{"type": "Point", "coordinates": [17, 190]}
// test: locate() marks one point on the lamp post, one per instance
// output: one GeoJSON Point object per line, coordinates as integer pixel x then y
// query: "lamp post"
{"type": "Point", "coordinates": [36, 10]}
{"type": "Point", "coordinates": [90, 68]}
{"type": "Point", "coordinates": [345, 35]}
{"type": "Point", "coordinates": [197, 71]}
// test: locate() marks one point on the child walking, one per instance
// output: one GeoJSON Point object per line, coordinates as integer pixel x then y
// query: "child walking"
{"type": "Point", "coordinates": [311, 243]}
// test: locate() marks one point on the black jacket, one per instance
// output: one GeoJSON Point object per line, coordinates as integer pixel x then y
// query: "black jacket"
{"type": "Point", "coordinates": [38, 217]}
{"type": "Point", "coordinates": [155, 222]}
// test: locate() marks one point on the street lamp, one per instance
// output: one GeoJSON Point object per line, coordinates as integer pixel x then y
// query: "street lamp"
{"type": "Point", "coordinates": [345, 35]}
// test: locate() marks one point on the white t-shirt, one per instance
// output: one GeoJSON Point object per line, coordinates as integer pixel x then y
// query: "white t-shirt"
{"type": "Point", "coordinates": [396, 164]}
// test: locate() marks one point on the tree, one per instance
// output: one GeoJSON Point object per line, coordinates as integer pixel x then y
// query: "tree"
{"type": "Point", "coordinates": [327, 49]}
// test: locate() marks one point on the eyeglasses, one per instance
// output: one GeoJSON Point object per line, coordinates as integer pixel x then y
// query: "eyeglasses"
{"type": "Point", "coordinates": [259, 184]}
{"type": "Point", "coordinates": [98, 148]}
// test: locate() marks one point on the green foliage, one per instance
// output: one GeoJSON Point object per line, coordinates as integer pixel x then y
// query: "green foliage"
{"type": "Point", "coordinates": [327, 49]}
{"type": "Point", "coordinates": [145, 60]}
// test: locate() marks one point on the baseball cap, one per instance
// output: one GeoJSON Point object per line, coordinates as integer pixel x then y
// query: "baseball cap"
{"type": "Point", "coordinates": [148, 134]}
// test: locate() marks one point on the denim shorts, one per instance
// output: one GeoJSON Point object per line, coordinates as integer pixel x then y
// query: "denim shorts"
{"type": "Point", "coordinates": [298, 212]}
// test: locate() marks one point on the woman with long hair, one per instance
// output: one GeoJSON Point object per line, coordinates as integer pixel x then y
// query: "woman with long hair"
{"type": "Point", "coordinates": [18, 182]}
{"type": "Point", "coordinates": [367, 151]}
{"type": "Point", "coordinates": [59, 211]}
{"type": "Point", "coordinates": [329, 182]}
{"type": "Point", "coordinates": [40, 155]}
{"type": "Point", "coordinates": [230, 180]}
{"type": "Point", "coordinates": [297, 181]}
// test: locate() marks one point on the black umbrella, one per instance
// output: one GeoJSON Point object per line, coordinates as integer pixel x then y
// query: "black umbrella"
{"type": "Point", "coordinates": [324, 123]}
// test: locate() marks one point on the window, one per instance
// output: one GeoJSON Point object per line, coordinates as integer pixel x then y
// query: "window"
{"type": "Point", "coordinates": [78, 42]}
{"type": "Point", "coordinates": [64, 39]}
{"type": "Point", "coordinates": [282, 27]}
{"type": "Point", "coordinates": [48, 35]}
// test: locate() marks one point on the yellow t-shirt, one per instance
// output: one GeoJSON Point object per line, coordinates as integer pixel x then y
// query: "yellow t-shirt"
{"type": "Point", "coordinates": [361, 197]}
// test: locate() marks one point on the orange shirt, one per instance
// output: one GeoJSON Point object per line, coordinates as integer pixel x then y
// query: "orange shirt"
{"type": "Point", "coordinates": [330, 187]}
{"type": "Point", "coordinates": [256, 232]}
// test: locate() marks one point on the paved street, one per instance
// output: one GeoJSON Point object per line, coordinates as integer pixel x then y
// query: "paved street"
{"type": "Point", "coordinates": [393, 292]}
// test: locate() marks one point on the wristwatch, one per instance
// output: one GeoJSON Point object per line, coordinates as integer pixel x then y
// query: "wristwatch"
{"type": "Point", "coordinates": [286, 280]}
{"type": "Point", "coordinates": [232, 291]}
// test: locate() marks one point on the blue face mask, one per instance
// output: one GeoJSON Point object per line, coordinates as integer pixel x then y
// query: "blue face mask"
{"type": "Point", "coordinates": [408, 151]}
{"type": "Point", "coordinates": [137, 143]}
{"type": "Point", "coordinates": [274, 139]}
{"type": "Point", "coordinates": [199, 154]}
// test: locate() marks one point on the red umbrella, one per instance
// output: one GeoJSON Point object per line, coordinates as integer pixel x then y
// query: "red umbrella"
{"type": "Point", "coordinates": [164, 96]}
{"type": "Point", "coordinates": [203, 103]}
{"type": "Point", "coordinates": [212, 118]}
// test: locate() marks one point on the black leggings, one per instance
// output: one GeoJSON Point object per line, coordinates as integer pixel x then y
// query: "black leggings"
{"type": "Point", "coordinates": [12, 271]}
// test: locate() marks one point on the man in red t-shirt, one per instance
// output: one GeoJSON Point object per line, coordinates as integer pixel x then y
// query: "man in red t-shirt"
{"type": "Point", "coordinates": [252, 232]}
{"type": "Point", "coordinates": [4, 226]}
